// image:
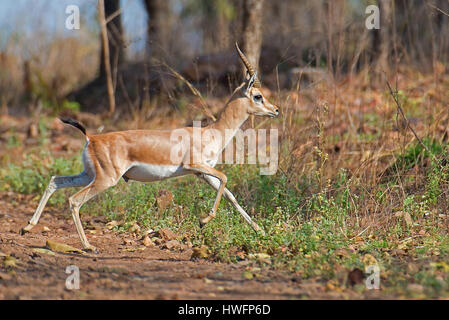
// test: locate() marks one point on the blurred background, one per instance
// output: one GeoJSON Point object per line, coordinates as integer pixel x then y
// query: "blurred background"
{"type": "Point", "coordinates": [43, 65]}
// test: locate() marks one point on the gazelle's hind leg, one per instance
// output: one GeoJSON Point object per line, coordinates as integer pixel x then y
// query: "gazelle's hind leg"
{"type": "Point", "coordinates": [80, 180]}
{"type": "Point", "coordinates": [215, 183]}
{"type": "Point", "coordinates": [78, 199]}
{"type": "Point", "coordinates": [219, 176]}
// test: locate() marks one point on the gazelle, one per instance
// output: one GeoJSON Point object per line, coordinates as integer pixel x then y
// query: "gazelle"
{"type": "Point", "coordinates": [145, 155]}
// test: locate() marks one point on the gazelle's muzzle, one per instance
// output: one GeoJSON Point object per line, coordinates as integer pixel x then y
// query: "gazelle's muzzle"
{"type": "Point", "coordinates": [274, 112]}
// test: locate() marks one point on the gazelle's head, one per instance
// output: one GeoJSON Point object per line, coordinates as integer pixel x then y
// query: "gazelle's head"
{"type": "Point", "coordinates": [257, 103]}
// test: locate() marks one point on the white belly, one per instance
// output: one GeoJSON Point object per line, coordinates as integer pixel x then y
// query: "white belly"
{"type": "Point", "coordinates": [152, 172]}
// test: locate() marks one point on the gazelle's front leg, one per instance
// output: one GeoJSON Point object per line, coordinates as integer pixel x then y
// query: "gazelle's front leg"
{"type": "Point", "coordinates": [205, 169]}
{"type": "Point", "coordinates": [214, 182]}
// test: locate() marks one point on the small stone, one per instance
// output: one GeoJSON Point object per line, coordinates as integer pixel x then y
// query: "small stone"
{"type": "Point", "coordinates": [147, 242]}
{"type": "Point", "coordinates": [166, 234]}
{"type": "Point", "coordinates": [172, 245]}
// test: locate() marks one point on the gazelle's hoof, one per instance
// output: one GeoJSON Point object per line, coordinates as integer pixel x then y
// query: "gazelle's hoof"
{"type": "Point", "coordinates": [26, 229]}
{"type": "Point", "coordinates": [91, 249]}
{"type": "Point", "coordinates": [206, 220]}
{"type": "Point", "coordinates": [258, 229]}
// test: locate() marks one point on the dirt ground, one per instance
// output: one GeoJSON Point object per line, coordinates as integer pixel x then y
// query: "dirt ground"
{"type": "Point", "coordinates": [124, 268]}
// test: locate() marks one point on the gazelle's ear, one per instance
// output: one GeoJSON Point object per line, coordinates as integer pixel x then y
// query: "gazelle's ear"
{"type": "Point", "coordinates": [251, 83]}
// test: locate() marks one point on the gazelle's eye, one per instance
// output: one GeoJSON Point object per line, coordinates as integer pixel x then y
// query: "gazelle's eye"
{"type": "Point", "coordinates": [258, 98]}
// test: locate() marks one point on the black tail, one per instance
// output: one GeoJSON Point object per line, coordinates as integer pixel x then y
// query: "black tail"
{"type": "Point", "coordinates": [74, 123]}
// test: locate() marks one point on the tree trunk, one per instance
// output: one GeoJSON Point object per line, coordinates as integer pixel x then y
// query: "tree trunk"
{"type": "Point", "coordinates": [158, 29]}
{"type": "Point", "coordinates": [115, 36]}
{"type": "Point", "coordinates": [252, 30]}
{"type": "Point", "coordinates": [107, 57]}
{"type": "Point", "coordinates": [382, 39]}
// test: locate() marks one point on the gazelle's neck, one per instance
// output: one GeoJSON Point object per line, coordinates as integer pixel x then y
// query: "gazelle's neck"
{"type": "Point", "coordinates": [232, 117]}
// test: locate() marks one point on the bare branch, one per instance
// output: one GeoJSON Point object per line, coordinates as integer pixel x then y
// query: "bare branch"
{"type": "Point", "coordinates": [104, 37]}
{"type": "Point", "coordinates": [193, 90]}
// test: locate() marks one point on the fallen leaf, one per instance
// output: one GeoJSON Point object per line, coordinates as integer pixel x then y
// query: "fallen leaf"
{"type": "Point", "coordinates": [61, 247]}
{"type": "Point", "coordinates": [172, 245]}
{"type": "Point", "coordinates": [166, 234]}
{"type": "Point", "coordinates": [133, 249]}
{"type": "Point", "coordinates": [261, 257]}
{"type": "Point", "coordinates": [200, 253]}
{"type": "Point", "coordinates": [406, 216]}
{"type": "Point", "coordinates": [440, 266]}
{"type": "Point", "coordinates": [247, 275]}
{"type": "Point", "coordinates": [342, 253]}
{"type": "Point", "coordinates": [164, 199]}
{"type": "Point", "coordinates": [369, 260]}
{"type": "Point", "coordinates": [44, 251]}
{"type": "Point", "coordinates": [9, 262]}
{"type": "Point", "coordinates": [135, 228]}
{"type": "Point", "coordinates": [110, 225]}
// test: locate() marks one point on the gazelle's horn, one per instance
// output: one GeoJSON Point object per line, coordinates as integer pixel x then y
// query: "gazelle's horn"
{"type": "Point", "coordinates": [248, 66]}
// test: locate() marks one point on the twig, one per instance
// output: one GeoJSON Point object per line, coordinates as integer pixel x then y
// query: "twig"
{"type": "Point", "coordinates": [438, 9]}
{"type": "Point", "coordinates": [114, 15]}
{"type": "Point", "coordinates": [193, 90]}
{"type": "Point", "coordinates": [107, 63]}
{"type": "Point", "coordinates": [401, 111]}
{"type": "Point", "coordinates": [360, 233]}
